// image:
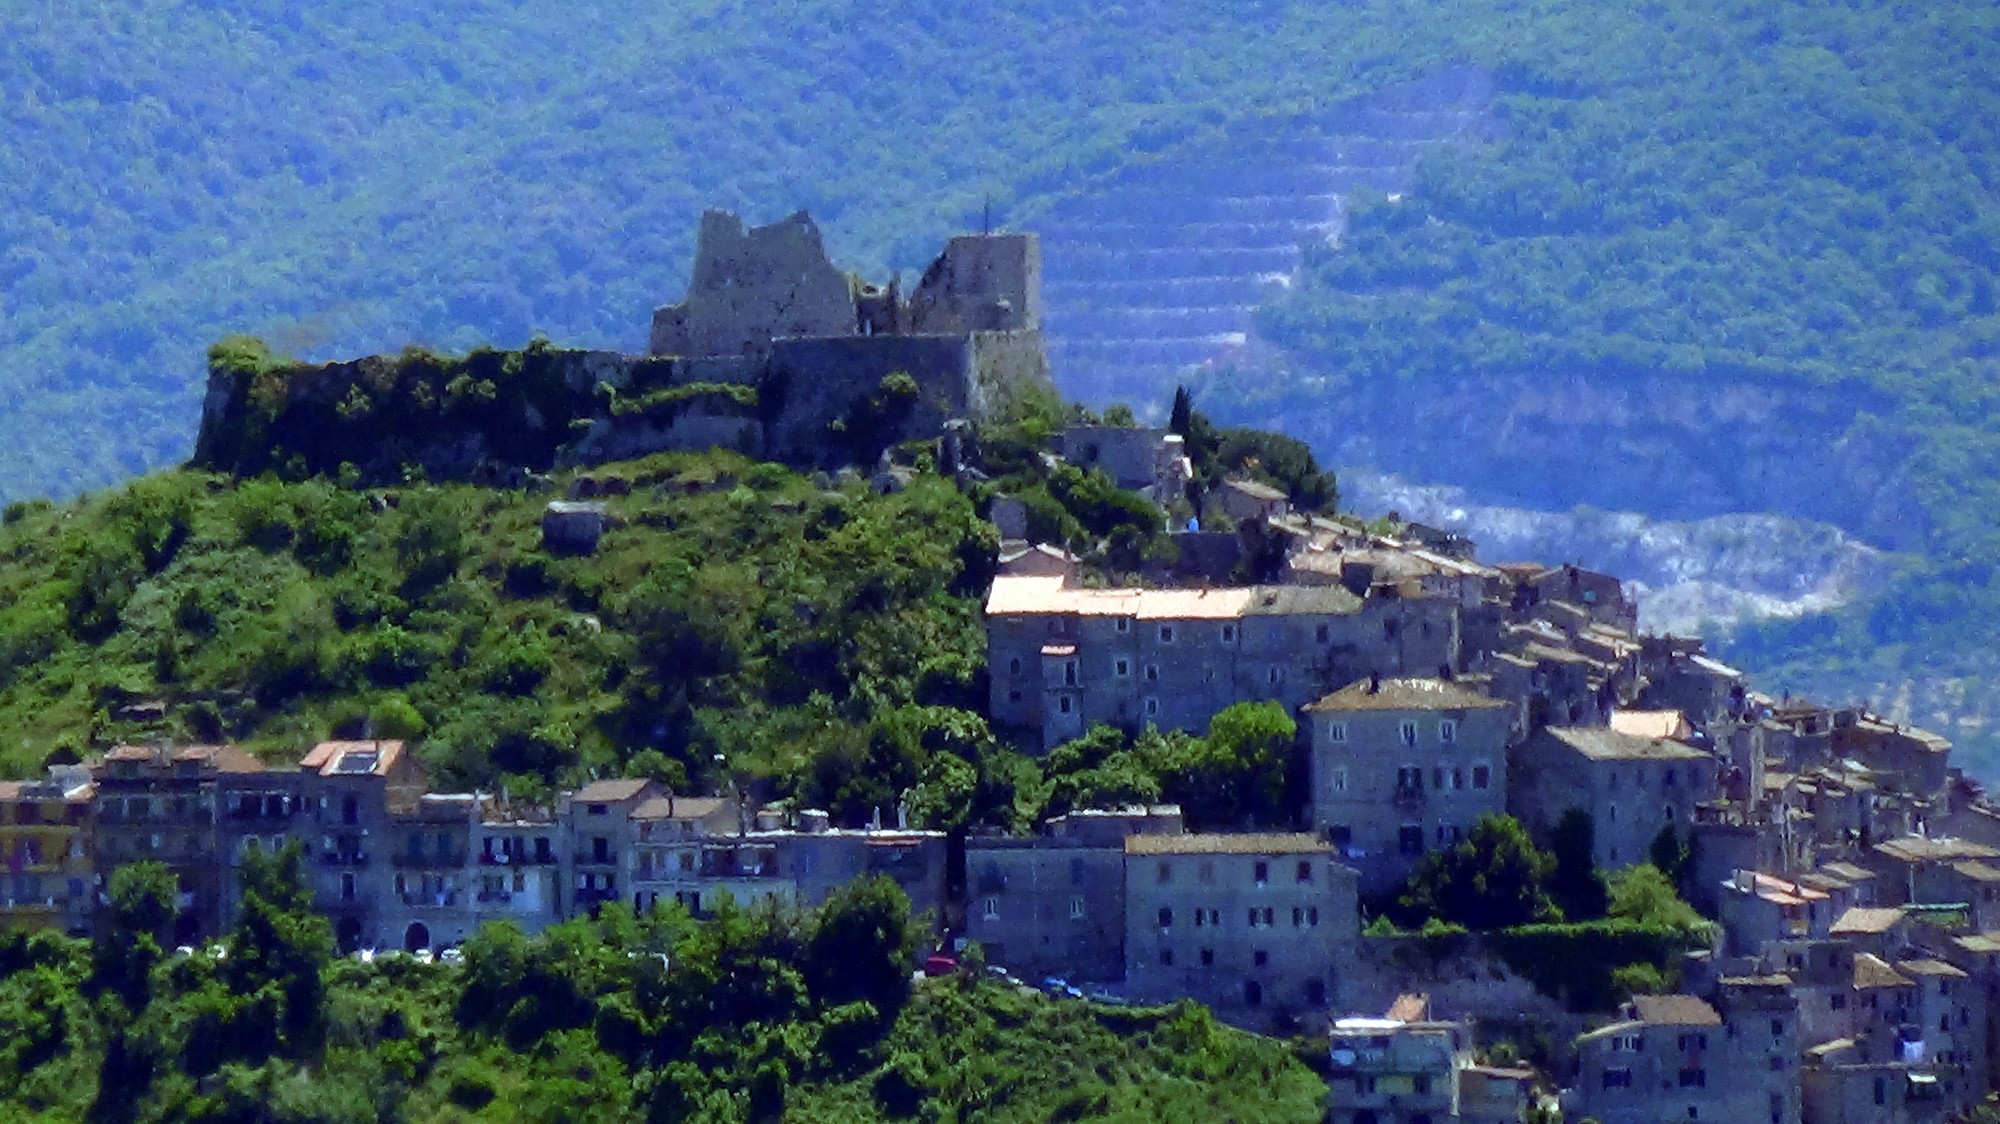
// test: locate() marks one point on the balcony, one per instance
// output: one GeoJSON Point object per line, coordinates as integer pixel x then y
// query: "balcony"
{"type": "Point", "coordinates": [1408, 797]}
{"type": "Point", "coordinates": [520, 858]}
{"type": "Point", "coordinates": [443, 899]}
{"type": "Point", "coordinates": [407, 861]}
{"type": "Point", "coordinates": [501, 896]}
{"type": "Point", "coordinates": [332, 858]}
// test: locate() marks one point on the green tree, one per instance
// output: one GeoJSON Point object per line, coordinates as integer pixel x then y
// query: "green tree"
{"type": "Point", "coordinates": [1645, 894]}
{"type": "Point", "coordinates": [1668, 854]}
{"type": "Point", "coordinates": [278, 952]}
{"type": "Point", "coordinates": [1494, 878]}
{"type": "Point", "coordinates": [1576, 886]}
{"type": "Point", "coordinates": [861, 947]}
{"type": "Point", "coordinates": [142, 907]}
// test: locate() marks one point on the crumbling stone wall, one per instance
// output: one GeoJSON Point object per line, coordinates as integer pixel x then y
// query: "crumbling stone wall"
{"type": "Point", "coordinates": [752, 285]}
{"type": "Point", "coordinates": [981, 283]}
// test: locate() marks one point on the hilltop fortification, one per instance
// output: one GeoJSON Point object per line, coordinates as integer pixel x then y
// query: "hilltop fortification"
{"type": "Point", "coordinates": [773, 352]}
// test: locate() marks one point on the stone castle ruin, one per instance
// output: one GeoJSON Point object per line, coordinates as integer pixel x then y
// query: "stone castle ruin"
{"type": "Point", "coordinates": [774, 352]}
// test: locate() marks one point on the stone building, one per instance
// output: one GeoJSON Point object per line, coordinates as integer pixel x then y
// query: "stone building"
{"type": "Point", "coordinates": [264, 810]}
{"type": "Point", "coordinates": [433, 902]}
{"type": "Point", "coordinates": [1063, 657]}
{"type": "Point", "coordinates": [45, 846]}
{"type": "Point", "coordinates": [1253, 925]}
{"type": "Point", "coordinates": [1666, 1061]}
{"type": "Point", "coordinates": [1761, 1038]}
{"type": "Point", "coordinates": [1400, 766]}
{"type": "Point", "coordinates": [1054, 904]}
{"type": "Point", "coordinates": [158, 803]}
{"type": "Point", "coordinates": [599, 840]}
{"type": "Point", "coordinates": [351, 787]}
{"type": "Point", "coordinates": [1631, 786]}
{"type": "Point", "coordinates": [668, 848]}
{"type": "Point", "coordinates": [1152, 462]}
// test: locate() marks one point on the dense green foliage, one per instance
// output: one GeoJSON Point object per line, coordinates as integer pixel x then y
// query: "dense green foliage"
{"type": "Point", "coordinates": [1240, 772]}
{"type": "Point", "coordinates": [827, 638]}
{"type": "Point", "coordinates": [759, 1015]}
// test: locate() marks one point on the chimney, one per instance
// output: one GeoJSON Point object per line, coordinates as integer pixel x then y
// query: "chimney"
{"type": "Point", "coordinates": [1374, 682]}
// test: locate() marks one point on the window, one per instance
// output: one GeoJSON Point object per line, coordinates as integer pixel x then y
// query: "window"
{"type": "Point", "coordinates": [1667, 779]}
{"type": "Point", "coordinates": [1305, 871]}
{"type": "Point", "coordinates": [1166, 634]}
{"type": "Point", "coordinates": [1409, 733]}
{"type": "Point", "coordinates": [1122, 668]}
{"type": "Point", "coordinates": [1336, 780]}
{"type": "Point", "coordinates": [1262, 872]}
{"type": "Point", "coordinates": [1250, 916]}
{"type": "Point", "coordinates": [1270, 916]}
{"type": "Point", "coordinates": [1410, 839]}
{"type": "Point", "coordinates": [1063, 704]}
{"type": "Point", "coordinates": [1482, 776]}
{"type": "Point", "coordinates": [1694, 1078]}
{"type": "Point", "coordinates": [1437, 777]}
{"type": "Point", "coordinates": [1312, 917]}
{"type": "Point", "coordinates": [1253, 993]}
{"type": "Point", "coordinates": [1014, 666]}
{"type": "Point", "coordinates": [1336, 732]}
{"type": "Point", "coordinates": [1152, 707]}
{"type": "Point", "coordinates": [1166, 873]}
{"type": "Point", "coordinates": [1124, 624]}
{"type": "Point", "coordinates": [990, 909]}
{"type": "Point", "coordinates": [1200, 918]}
{"type": "Point", "coordinates": [1410, 779]}
{"type": "Point", "coordinates": [1208, 958]}
{"type": "Point", "coordinates": [1421, 1084]}
{"type": "Point", "coordinates": [1206, 871]}
{"type": "Point", "coordinates": [1076, 907]}
{"type": "Point", "coordinates": [1166, 917]}
{"type": "Point", "coordinates": [1298, 917]}
{"type": "Point", "coordinates": [1777, 1062]}
{"type": "Point", "coordinates": [1260, 958]}
{"type": "Point", "coordinates": [1166, 958]}
{"type": "Point", "coordinates": [1322, 634]}
{"type": "Point", "coordinates": [1229, 634]}
{"type": "Point", "coordinates": [1276, 674]}
{"type": "Point", "coordinates": [1069, 673]}
{"type": "Point", "coordinates": [1617, 1079]}
{"type": "Point", "coordinates": [1447, 731]}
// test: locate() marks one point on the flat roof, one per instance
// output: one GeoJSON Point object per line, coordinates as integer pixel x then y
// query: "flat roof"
{"type": "Point", "coordinates": [1232, 843]}
{"type": "Point", "coordinates": [1405, 694]}
{"type": "Point", "coordinates": [1599, 743]}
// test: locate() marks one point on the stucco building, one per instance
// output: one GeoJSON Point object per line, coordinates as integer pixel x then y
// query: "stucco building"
{"type": "Point", "coordinates": [1632, 786]}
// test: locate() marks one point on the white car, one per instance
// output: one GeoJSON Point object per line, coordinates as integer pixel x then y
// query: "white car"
{"type": "Point", "coordinates": [424, 956]}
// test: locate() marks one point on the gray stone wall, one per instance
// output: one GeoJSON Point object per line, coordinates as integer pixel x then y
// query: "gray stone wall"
{"type": "Point", "coordinates": [1189, 932]}
{"type": "Point", "coordinates": [1360, 760]}
{"type": "Point", "coordinates": [753, 284]}
{"type": "Point", "coordinates": [1048, 906]}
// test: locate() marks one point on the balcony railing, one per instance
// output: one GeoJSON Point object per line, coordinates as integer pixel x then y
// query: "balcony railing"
{"type": "Point", "coordinates": [335, 859]}
{"type": "Point", "coordinates": [508, 858]}
{"type": "Point", "coordinates": [1406, 796]}
{"type": "Point", "coordinates": [429, 861]}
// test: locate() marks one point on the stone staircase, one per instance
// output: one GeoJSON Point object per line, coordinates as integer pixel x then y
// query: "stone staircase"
{"type": "Point", "coordinates": [1158, 267]}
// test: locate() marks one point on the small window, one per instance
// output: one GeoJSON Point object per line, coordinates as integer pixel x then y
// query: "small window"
{"type": "Point", "coordinates": [1336, 780]}
{"type": "Point", "coordinates": [1166, 958]}
{"type": "Point", "coordinates": [1122, 668]}
{"type": "Point", "coordinates": [1410, 839]}
{"type": "Point", "coordinates": [1166, 917]}
{"type": "Point", "coordinates": [1076, 907]}
{"type": "Point", "coordinates": [1447, 731]}
{"type": "Point", "coordinates": [1124, 624]}
{"type": "Point", "coordinates": [1250, 917]}
{"type": "Point", "coordinates": [1322, 634]}
{"type": "Point", "coordinates": [1437, 777]}
{"type": "Point", "coordinates": [1409, 732]}
{"type": "Point", "coordinates": [1014, 666]}
{"type": "Point", "coordinates": [1253, 993]}
{"type": "Point", "coordinates": [1208, 958]}
{"type": "Point", "coordinates": [1336, 732]}
{"type": "Point", "coordinates": [991, 910]}
{"type": "Point", "coordinates": [1482, 776]}
{"type": "Point", "coordinates": [1276, 674]}
{"type": "Point", "coordinates": [1229, 634]}
{"type": "Point", "coordinates": [1152, 707]}
{"type": "Point", "coordinates": [1260, 958]}
{"type": "Point", "coordinates": [1064, 704]}
{"type": "Point", "coordinates": [1458, 778]}
{"type": "Point", "coordinates": [1263, 872]}
{"type": "Point", "coordinates": [1152, 673]}
{"type": "Point", "coordinates": [1305, 871]}
{"type": "Point", "coordinates": [1166, 873]}
{"type": "Point", "coordinates": [1166, 634]}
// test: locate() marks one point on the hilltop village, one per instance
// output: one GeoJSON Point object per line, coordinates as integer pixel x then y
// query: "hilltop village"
{"type": "Point", "coordinates": [1851, 873]}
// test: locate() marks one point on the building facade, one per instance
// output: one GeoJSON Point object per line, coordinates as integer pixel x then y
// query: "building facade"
{"type": "Point", "coordinates": [1401, 766]}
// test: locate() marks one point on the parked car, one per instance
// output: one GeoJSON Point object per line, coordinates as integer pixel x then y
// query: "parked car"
{"type": "Point", "coordinates": [1104, 995]}
{"type": "Point", "coordinates": [939, 964]}
{"type": "Point", "coordinates": [1059, 988]}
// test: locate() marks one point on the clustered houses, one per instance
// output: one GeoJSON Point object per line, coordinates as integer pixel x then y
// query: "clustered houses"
{"type": "Point", "coordinates": [394, 865]}
{"type": "Point", "coordinates": [1855, 871]}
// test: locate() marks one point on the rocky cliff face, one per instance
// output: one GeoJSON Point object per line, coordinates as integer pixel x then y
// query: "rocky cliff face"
{"type": "Point", "coordinates": [1629, 442]}
{"type": "Point", "coordinates": [1692, 577]}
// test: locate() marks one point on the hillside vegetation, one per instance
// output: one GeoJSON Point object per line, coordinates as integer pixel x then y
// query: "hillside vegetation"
{"type": "Point", "coordinates": [746, 1016]}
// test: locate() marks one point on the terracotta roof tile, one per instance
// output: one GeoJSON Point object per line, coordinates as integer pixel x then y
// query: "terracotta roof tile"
{"type": "Point", "coordinates": [1872, 972]}
{"type": "Point", "coordinates": [1675, 1010]}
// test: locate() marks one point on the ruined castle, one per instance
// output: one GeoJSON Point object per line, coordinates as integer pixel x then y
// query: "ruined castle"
{"type": "Point", "coordinates": [774, 352]}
